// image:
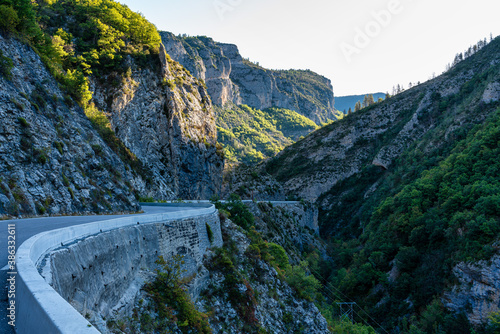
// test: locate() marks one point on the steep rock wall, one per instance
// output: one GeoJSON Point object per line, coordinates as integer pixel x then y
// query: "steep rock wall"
{"type": "Point", "coordinates": [52, 161]}
{"type": "Point", "coordinates": [51, 158]}
{"type": "Point", "coordinates": [478, 290]}
{"type": "Point", "coordinates": [165, 117]}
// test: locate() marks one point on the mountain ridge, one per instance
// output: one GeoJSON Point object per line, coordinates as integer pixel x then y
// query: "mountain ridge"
{"type": "Point", "coordinates": [231, 78]}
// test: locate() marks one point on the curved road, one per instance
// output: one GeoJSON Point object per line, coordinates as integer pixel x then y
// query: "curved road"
{"type": "Point", "coordinates": [26, 228]}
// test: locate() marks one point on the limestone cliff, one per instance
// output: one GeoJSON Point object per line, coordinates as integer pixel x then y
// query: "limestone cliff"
{"type": "Point", "coordinates": [165, 117]}
{"type": "Point", "coordinates": [231, 78]}
{"type": "Point", "coordinates": [478, 290]}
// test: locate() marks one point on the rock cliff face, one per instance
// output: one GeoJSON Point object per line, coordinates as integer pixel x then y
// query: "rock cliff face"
{"type": "Point", "coordinates": [230, 78]}
{"type": "Point", "coordinates": [165, 117]}
{"type": "Point", "coordinates": [478, 290]}
{"type": "Point", "coordinates": [53, 161]}
{"type": "Point", "coordinates": [51, 158]}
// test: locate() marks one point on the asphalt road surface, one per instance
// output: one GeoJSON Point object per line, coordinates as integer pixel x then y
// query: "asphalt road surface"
{"type": "Point", "coordinates": [26, 228]}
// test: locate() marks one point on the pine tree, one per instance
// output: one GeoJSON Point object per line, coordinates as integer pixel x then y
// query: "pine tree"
{"type": "Point", "coordinates": [365, 101]}
{"type": "Point", "coordinates": [357, 107]}
{"type": "Point", "coordinates": [371, 100]}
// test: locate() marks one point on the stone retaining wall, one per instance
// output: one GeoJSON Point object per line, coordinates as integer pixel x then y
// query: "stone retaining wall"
{"type": "Point", "coordinates": [98, 268]}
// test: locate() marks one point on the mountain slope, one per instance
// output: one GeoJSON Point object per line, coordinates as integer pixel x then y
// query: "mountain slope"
{"type": "Point", "coordinates": [380, 133]}
{"type": "Point", "coordinates": [147, 111]}
{"type": "Point", "coordinates": [51, 158]}
{"type": "Point", "coordinates": [159, 111]}
{"type": "Point", "coordinates": [231, 78]}
{"type": "Point", "coordinates": [407, 191]}
{"type": "Point", "coordinates": [249, 135]}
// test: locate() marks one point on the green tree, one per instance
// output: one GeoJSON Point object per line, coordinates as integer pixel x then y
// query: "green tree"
{"type": "Point", "coordinates": [494, 324]}
{"type": "Point", "coordinates": [368, 100]}
{"type": "Point", "coordinates": [357, 106]}
{"type": "Point", "coordinates": [240, 215]}
{"type": "Point", "coordinates": [8, 19]}
{"type": "Point", "coordinates": [279, 256]}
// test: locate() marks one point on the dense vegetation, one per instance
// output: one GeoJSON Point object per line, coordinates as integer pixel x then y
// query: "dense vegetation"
{"type": "Point", "coordinates": [78, 38]}
{"type": "Point", "coordinates": [450, 213]}
{"type": "Point", "coordinates": [249, 135]}
{"type": "Point", "coordinates": [397, 234]}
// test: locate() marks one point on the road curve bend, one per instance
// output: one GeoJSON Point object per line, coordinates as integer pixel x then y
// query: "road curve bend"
{"type": "Point", "coordinates": [38, 307]}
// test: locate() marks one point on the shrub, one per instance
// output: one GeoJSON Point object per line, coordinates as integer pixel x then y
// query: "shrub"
{"type": "Point", "coordinates": [169, 296]}
{"type": "Point", "coordinates": [305, 285]}
{"type": "Point", "coordinates": [240, 214]}
{"type": "Point", "coordinates": [6, 64]}
{"type": "Point", "coordinates": [280, 258]}
{"type": "Point", "coordinates": [59, 146]}
{"type": "Point", "coordinates": [23, 122]}
{"type": "Point", "coordinates": [77, 85]}
{"type": "Point", "coordinates": [209, 233]}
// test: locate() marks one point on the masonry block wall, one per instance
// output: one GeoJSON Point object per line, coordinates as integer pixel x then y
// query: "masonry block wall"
{"type": "Point", "coordinates": [101, 275]}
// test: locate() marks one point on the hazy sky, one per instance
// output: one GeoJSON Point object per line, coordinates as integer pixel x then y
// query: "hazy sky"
{"type": "Point", "coordinates": [361, 45]}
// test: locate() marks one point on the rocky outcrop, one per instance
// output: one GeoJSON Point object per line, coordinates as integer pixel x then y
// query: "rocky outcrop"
{"type": "Point", "coordinates": [208, 63]}
{"type": "Point", "coordinates": [278, 308]}
{"type": "Point", "coordinates": [299, 220]}
{"type": "Point", "coordinates": [478, 290]}
{"type": "Point", "coordinates": [165, 117]}
{"type": "Point", "coordinates": [52, 161]}
{"type": "Point", "coordinates": [492, 92]}
{"type": "Point", "coordinates": [249, 185]}
{"type": "Point", "coordinates": [231, 78]}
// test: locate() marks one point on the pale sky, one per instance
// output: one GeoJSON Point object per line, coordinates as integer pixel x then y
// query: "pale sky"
{"type": "Point", "coordinates": [362, 46]}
